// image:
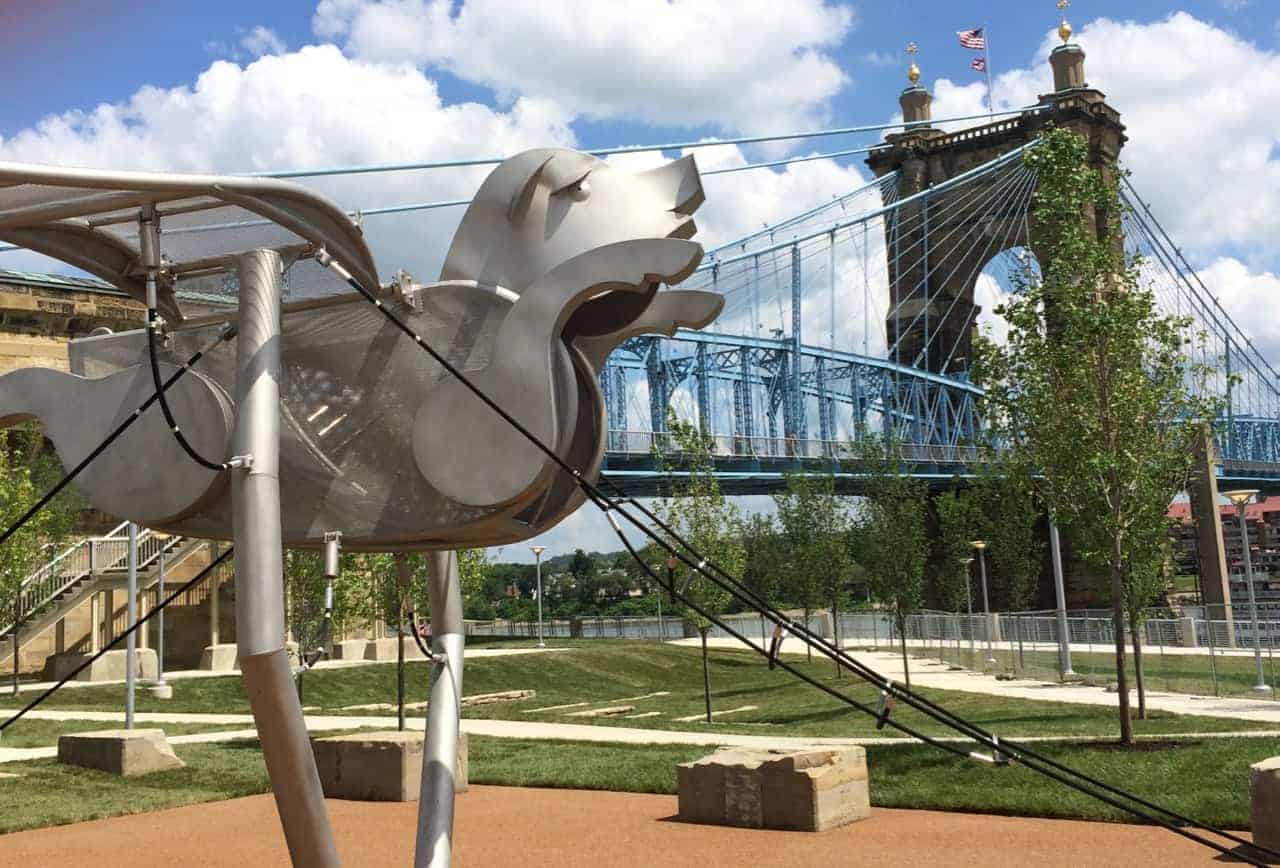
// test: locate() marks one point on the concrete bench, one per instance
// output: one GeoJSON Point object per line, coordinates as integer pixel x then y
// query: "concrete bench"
{"type": "Point", "coordinates": [378, 766]}
{"type": "Point", "coordinates": [805, 790]}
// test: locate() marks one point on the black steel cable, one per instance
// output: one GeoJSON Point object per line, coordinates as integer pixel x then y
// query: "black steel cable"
{"type": "Point", "coordinates": [1016, 751]}
{"type": "Point", "coordinates": [152, 325]}
{"type": "Point", "coordinates": [849, 700]}
{"type": "Point", "coordinates": [917, 702]}
{"type": "Point", "coordinates": [227, 334]}
{"type": "Point", "coordinates": [186, 586]}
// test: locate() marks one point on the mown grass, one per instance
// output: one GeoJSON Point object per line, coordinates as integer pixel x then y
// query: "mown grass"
{"type": "Point", "coordinates": [599, 672]}
{"type": "Point", "coordinates": [1206, 780]}
{"type": "Point", "coordinates": [28, 732]}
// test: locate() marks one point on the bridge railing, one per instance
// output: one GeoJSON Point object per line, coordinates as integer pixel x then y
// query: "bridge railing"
{"type": "Point", "coordinates": [725, 446]}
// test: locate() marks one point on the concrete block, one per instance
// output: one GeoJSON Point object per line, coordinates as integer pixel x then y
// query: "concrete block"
{"type": "Point", "coordinates": [378, 766]}
{"type": "Point", "coordinates": [108, 667]}
{"type": "Point", "coordinates": [226, 657]}
{"type": "Point", "coordinates": [127, 752]}
{"type": "Point", "coordinates": [384, 650]}
{"type": "Point", "coordinates": [807, 790]}
{"type": "Point", "coordinates": [349, 649]}
{"type": "Point", "coordinates": [219, 658]}
{"type": "Point", "coordinates": [1264, 802]}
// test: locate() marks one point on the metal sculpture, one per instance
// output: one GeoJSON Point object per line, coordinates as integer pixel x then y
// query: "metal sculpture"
{"type": "Point", "coordinates": [323, 416]}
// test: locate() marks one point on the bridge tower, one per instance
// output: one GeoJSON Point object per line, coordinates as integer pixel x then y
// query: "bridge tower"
{"type": "Point", "coordinates": [933, 314]}
{"type": "Point", "coordinates": [932, 310]}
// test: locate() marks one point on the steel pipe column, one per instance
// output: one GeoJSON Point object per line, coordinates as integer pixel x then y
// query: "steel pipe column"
{"type": "Point", "coordinates": [440, 753]}
{"type": "Point", "coordinates": [255, 498]}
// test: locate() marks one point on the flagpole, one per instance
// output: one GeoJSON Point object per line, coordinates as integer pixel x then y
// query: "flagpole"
{"type": "Point", "coordinates": [991, 100]}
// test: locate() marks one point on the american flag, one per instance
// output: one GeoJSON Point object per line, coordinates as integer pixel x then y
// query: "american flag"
{"type": "Point", "coordinates": [974, 39]}
{"type": "Point", "coordinates": [979, 64]}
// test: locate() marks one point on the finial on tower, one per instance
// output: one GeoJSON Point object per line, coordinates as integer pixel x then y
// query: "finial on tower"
{"type": "Point", "coordinates": [913, 71]}
{"type": "Point", "coordinates": [1064, 29]}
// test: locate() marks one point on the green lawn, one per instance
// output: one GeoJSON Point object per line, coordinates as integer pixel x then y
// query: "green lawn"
{"type": "Point", "coordinates": [1206, 780]}
{"type": "Point", "coordinates": [40, 733]}
{"type": "Point", "coordinates": [600, 671]}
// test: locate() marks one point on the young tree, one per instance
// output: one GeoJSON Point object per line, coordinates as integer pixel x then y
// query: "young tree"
{"type": "Point", "coordinates": [1147, 578]}
{"type": "Point", "coordinates": [763, 559]}
{"type": "Point", "coordinates": [892, 541]}
{"type": "Point", "coordinates": [958, 526]}
{"type": "Point", "coordinates": [1007, 514]}
{"type": "Point", "coordinates": [21, 485]}
{"type": "Point", "coordinates": [1093, 387]}
{"type": "Point", "coordinates": [814, 525]}
{"type": "Point", "coordinates": [695, 508]}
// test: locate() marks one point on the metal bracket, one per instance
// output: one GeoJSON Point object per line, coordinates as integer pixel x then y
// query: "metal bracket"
{"type": "Point", "coordinates": [407, 291]}
{"type": "Point", "coordinates": [240, 462]}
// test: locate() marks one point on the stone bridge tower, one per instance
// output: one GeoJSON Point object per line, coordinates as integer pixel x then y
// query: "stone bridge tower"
{"type": "Point", "coordinates": [933, 314]}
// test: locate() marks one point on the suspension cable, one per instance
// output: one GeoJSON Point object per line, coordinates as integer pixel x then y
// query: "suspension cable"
{"type": "Point", "coordinates": [186, 586]}
{"type": "Point", "coordinates": [1068, 777]}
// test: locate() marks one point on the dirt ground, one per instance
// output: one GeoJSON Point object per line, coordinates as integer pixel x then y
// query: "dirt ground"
{"type": "Point", "coordinates": [510, 826]}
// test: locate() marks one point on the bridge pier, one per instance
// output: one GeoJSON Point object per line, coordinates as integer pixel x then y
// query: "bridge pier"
{"type": "Point", "coordinates": [1214, 587]}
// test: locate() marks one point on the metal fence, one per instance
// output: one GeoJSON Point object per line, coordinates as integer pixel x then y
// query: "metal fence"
{"type": "Point", "coordinates": [1197, 650]}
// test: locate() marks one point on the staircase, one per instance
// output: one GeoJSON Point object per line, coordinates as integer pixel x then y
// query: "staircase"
{"type": "Point", "coordinates": [89, 565]}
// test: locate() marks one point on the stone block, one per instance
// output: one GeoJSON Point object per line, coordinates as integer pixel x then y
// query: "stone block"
{"type": "Point", "coordinates": [226, 657]}
{"type": "Point", "coordinates": [350, 649]}
{"type": "Point", "coordinates": [1264, 802]}
{"type": "Point", "coordinates": [378, 766]}
{"type": "Point", "coordinates": [806, 790]}
{"type": "Point", "coordinates": [127, 752]}
{"type": "Point", "coordinates": [384, 650]}
{"type": "Point", "coordinates": [108, 667]}
{"type": "Point", "coordinates": [219, 658]}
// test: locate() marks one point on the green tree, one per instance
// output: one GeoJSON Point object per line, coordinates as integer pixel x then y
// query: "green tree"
{"type": "Point", "coordinates": [959, 521]}
{"type": "Point", "coordinates": [762, 561]}
{"type": "Point", "coordinates": [1007, 515]}
{"type": "Point", "coordinates": [695, 508]}
{"type": "Point", "coordinates": [24, 472]}
{"type": "Point", "coordinates": [1093, 387]}
{"type": "Point", "coordinates": [891, 540]}
{"type": "Point", "coordinates": [814, 526]}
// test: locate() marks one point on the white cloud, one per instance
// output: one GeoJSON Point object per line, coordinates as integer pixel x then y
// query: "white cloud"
{"type": "Point", "coordinates": [262, 40]}
{"type": "Point", "coordinates": [1202, 144]}
{"type": "Point", "coordinates": [748, 64]}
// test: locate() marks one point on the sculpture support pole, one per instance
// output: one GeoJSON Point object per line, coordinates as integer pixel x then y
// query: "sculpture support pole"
{"type": "Point", "coordinates": [440, 753]}
{"type": "Point", "coordinates": [255, 497]}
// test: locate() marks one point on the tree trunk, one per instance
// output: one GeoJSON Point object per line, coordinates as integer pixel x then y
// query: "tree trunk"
{"type": "Point", "coordinates": [1117, 622]}
{"type": "Point", "coordinates": [808, 649]}
{"type": "Point", "coordinates": [1137, 666]}
{"type": "Point", "coordinates": [902, 641]}
{"type": "Point", "coordinates": [835, 629]}
{"type": "Point", "coordinates": [706, 674]}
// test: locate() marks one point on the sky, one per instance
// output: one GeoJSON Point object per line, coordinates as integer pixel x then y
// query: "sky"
{"type": "Point", "coordinates": [238, 86]}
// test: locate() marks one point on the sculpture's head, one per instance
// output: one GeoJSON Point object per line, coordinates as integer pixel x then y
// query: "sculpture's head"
{"type": "Point", "coordinates": [544, 207]}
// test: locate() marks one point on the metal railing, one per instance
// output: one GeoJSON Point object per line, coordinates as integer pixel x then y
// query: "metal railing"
{"type": "Point", "coordinates": [732, 446]}
{"type": "Point", "coordinates": [90, 556]}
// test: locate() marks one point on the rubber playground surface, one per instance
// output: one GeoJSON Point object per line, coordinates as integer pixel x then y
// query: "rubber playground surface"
{"type": "Point", "coordinates": [502, 826]}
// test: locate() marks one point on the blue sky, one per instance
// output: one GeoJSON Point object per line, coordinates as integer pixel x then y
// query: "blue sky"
{"type": "Point", "coordinates": [234, 85]}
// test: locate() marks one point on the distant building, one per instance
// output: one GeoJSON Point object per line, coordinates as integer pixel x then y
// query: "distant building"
{"type": "Point", "coordinates": [1262, 522]}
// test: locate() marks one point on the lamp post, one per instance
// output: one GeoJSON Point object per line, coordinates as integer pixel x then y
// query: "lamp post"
{"type": "Point", "coordinates": [159, 688]}
{"type": "Point", "coordinates": [537, 554]}
{"type": "Point", "coordinates": [981, 546]}
{"type": "Point", "coordinates": [1241, 499]}
{"type": "Point", "coordinates": [967, 564]}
